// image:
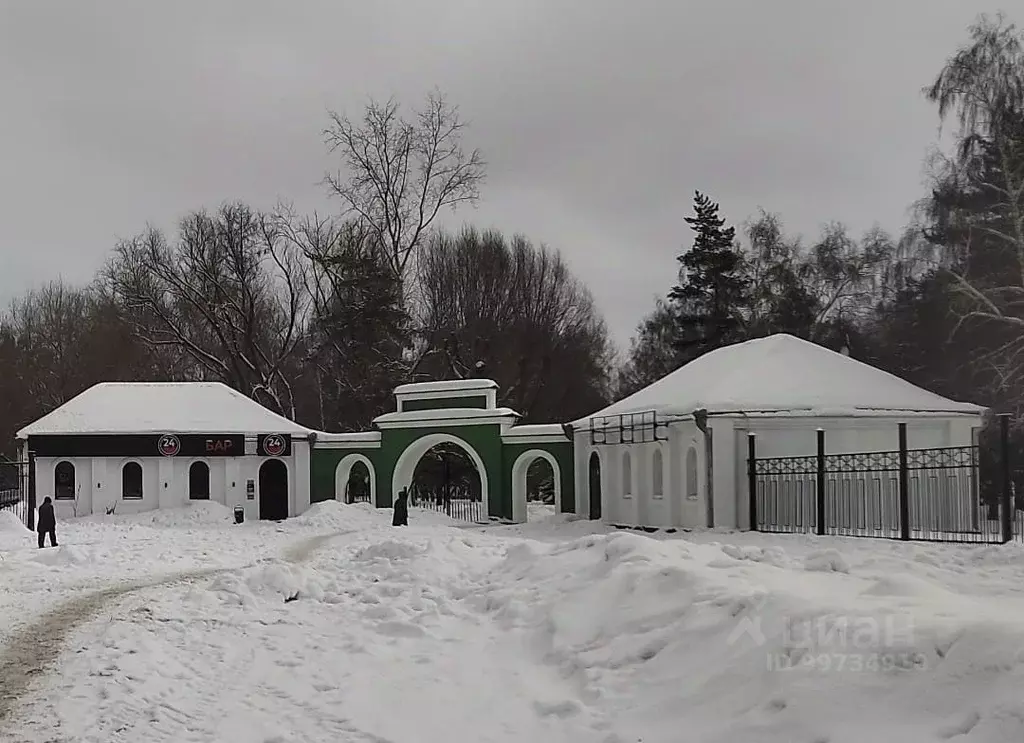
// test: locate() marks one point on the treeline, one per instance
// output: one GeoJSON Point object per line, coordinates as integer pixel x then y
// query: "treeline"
{"type": "Point", "coordinates": [941, 305]}
{"type": "Point", "coordinates": [320, 317]}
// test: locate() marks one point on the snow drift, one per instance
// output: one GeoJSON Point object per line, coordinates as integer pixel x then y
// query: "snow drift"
{"type": "Point", "coordinates": [674, 642]}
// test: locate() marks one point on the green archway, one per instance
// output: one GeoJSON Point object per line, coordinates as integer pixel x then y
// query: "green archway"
{"type": "Point", "coordinates": [462, 413]}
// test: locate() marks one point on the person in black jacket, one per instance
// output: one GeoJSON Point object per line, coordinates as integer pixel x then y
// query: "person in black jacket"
{"type": "Point", "coordinates": [401, 509]}
{"type": "Point", "coordinates": [47, 523]}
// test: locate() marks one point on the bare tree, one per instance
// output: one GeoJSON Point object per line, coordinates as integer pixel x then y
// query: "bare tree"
{"type": "Point", "coordinates": [230, 296]}
{"type": "Point", "coordinates": [397, 175]}
{"type": "Point", "coordinates": [359, 330]}
{"type": "Point", "coordinates": [978, 202]}
{"type": "Point", "coordinates": [515, 313]}
{"type": "Point", "coordinates": [57, 340]}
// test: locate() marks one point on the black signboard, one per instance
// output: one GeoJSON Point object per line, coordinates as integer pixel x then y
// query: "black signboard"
{"type": "Point", "coordinates": [139, 445]}
{"type": "Point", "coordinates": [274, 445]}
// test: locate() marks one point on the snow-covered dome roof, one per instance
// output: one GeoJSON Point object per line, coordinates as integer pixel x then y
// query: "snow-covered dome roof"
{"type": "Point", "coordinates": [782, 374]}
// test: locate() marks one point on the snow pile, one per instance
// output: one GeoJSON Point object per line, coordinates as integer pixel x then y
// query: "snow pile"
{"type": "Point", "coordinates": [274, 581]}
{"type": "Point", "coordinates": [333, 515]}
{"type": "Point", "coordinates": [196, 513]}
{"type": "Point", "coordinates": [826, 560]}
{"type": "Point", "coordinates": [11, 524]}
{"type": "Point", "coordinates": [774, 555]}
{"type": "Point", "coordinates": [13, 533]}
{"type": "Point", "coordinates": [63, 556]}
{"type": "Point", "coordinates": [665, 637]}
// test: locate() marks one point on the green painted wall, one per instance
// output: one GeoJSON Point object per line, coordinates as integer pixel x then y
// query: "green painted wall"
{"type": "Point", "coordinates": [485, 439]}
{"type": "Point", "coordinates": [477, 401]}
{"type": "Point", "coordinates": [322, 465]}
{"type": "Point", "coordinates": [563, 454]}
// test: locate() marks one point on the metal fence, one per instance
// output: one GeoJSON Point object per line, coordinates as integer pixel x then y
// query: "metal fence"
{"type": "Point", "coordinates": [457, 501]}
{"type": "Point", "coordinates": [17, 490]}
{"type": "Point", "coordinates": [910, 494]}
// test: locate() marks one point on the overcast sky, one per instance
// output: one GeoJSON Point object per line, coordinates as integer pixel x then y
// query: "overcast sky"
{"type": "Point", "coordinates": [598, 118]}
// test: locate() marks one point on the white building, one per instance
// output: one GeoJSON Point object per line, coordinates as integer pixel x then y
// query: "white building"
{"type": "Point", "coordinates": [687, 467]}
{"type": "Point", "coordinates": [131, 447]}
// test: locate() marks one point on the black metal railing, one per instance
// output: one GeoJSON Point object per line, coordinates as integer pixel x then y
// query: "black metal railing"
{"type": "Point", "coordinates": [910, 494]}
{"type": "Point", "coordinates": [357, 491]}
{"type": "Point", "coordinates": [17, 489]}
{"type": "Point", "coordinates": [457, 501]}
{"type": "Point", "coordinates": [628, 428]}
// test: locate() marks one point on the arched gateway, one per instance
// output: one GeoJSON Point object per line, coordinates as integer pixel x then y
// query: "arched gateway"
{"type": "Point", "coordinates": [458, 414]}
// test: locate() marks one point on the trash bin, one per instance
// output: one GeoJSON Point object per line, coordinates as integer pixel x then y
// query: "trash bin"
{"type": "Point", "coordinates": [239, 514]}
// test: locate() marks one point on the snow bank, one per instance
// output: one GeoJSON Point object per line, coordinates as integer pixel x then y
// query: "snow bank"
{"type": "Point", "coordinates": [11, 524]}
{"type": "Point", "coordinates": [196, 513]}
{"type": "Point", "coordinates": [672, 639]}
{"type": "Point", "coordinates": [63, 556]}
{"type": "Point", "coordinates": [333, 515]}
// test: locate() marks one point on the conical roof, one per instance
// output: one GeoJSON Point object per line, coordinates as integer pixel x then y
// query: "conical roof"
{"type": "Point", "coordinates": [782, 374]}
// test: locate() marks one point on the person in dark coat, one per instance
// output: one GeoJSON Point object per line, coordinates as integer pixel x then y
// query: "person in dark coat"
{"type": "Point", "coordinates": [46, 523]}
{"type": "Point", "coordinates": [401, 509]}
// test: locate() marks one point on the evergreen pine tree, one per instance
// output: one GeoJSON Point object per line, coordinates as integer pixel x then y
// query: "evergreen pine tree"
{"type": "Point", "coordinates": [713, 290]}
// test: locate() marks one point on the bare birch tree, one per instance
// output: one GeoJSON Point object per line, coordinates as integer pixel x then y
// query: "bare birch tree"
{"type": "Point", "coordinates": [982, 86]}
{"type": "Point", "coordinates": [398, 174]}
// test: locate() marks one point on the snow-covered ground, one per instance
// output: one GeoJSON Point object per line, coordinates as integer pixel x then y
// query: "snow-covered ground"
{"type": "Point", "coordinates": [334, 626]}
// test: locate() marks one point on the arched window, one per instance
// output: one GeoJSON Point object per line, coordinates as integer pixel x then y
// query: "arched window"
{"type": "Point", "coordinates": [131, 481]}
{"type": "Point", "coordinates": [199, 481]}
{"type": "Point", "coordinates": [658, 474]}
{"type": "Point", "coordinates": [691, 473]}
{"type": "Point", "coordinates": [627, 475]}
{"type": "Point", "coordinates": [64, 481]}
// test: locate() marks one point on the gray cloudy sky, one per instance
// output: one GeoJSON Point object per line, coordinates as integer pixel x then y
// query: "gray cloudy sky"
{"type": "Point", "coordinates": [598, 117]}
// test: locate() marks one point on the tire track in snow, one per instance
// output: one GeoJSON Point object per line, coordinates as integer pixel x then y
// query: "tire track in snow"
{"type": "Point", "coordinates": [32, 650]}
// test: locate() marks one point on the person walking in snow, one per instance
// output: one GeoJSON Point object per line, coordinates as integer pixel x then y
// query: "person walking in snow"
{"type": "Point", "coordinates": [47, 523]}
{"type": "Point", "coordinates": [401, 509]}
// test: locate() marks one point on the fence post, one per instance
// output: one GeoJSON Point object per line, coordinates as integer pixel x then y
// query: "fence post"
{"type": "Point", "coordinates": [1007, 508]}
{"type": "Point", "coordinates": [904, 484]}
{"type": "Point", "coordinates": [752, 478]}
{"type": "Point", "coordinates": [821, 482]}
{"type": "Point", "coordinates": [31, 489]}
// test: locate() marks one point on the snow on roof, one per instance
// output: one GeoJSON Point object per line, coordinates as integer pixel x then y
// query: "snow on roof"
{"type": "Point", "coordinates": [445, 414]}
{"type": "Point", "coordinates": [781, 373]}
{"type": "Point", "coordinates": [530, 430]}
{"type": "Point", "coordinates": [161, 407]}
{"type": "Point", "coordinates": [446, 385]}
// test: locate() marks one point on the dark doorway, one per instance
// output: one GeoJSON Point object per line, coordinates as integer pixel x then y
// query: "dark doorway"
{"type": "Point", "coordinates": [357, 489]}
{"type": "Point", "coordinates": [595, 486]}
{"type": "Point", "coordinates": [273, 490]}
{"type": "Point", "coordinates": [446, 480]}
{"type": "Point", "coordinates": [199, 481]}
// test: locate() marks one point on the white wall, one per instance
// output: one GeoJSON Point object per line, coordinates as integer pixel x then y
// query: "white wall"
{"type": "Point", "coordinates": [775, 437]}
{"type": "Point", "coordinates": [165, 483]}
{"type": "Point", "coordinates": [642, 508]}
